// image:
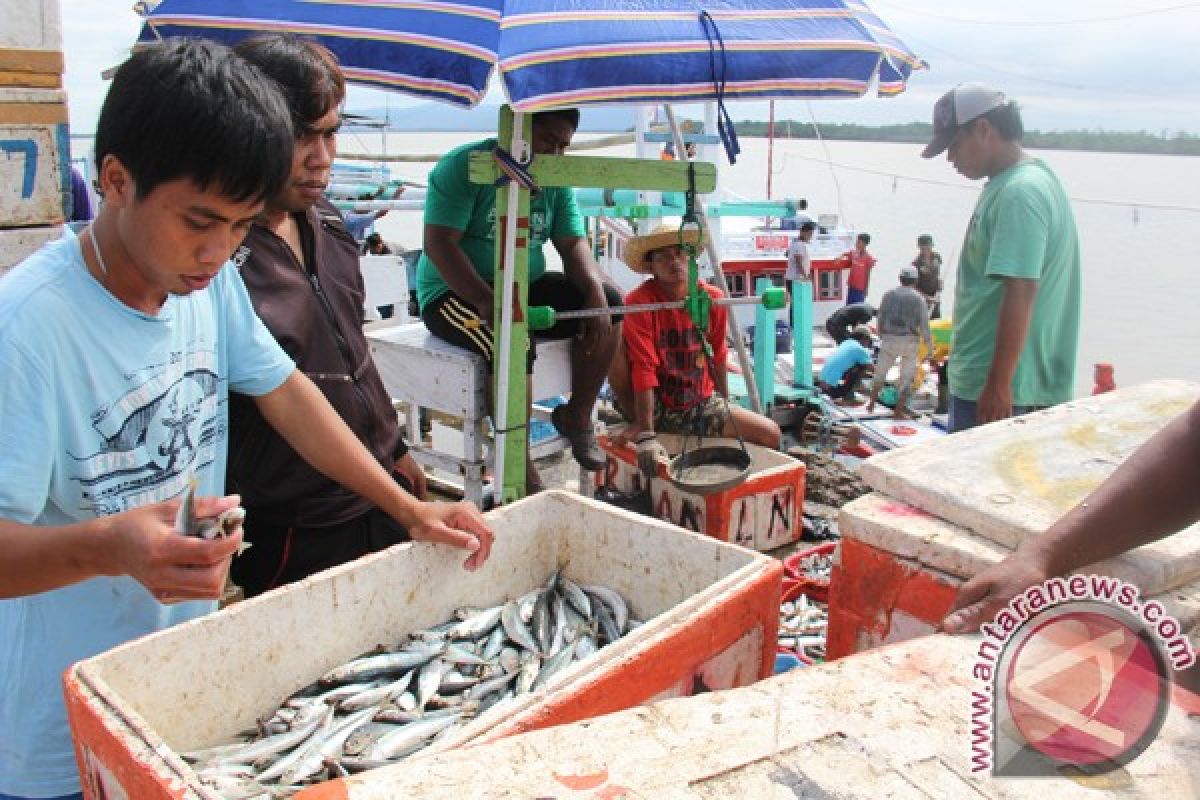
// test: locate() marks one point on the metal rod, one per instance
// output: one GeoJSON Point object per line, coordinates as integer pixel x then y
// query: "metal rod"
{"type": "Point", "coordinates": [587, 313]}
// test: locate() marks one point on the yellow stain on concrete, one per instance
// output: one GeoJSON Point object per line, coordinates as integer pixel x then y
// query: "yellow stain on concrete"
{"type": "Point", "coordinates": [1019, 465]}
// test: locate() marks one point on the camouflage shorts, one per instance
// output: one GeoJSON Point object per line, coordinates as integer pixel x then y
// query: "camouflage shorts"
{"type": "Point", "coordinates": [706, 419]}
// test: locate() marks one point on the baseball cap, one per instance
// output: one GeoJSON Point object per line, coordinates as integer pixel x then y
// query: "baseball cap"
{"type": "Point", "coordinates": [956, 108]}
{"type": "Point", "coordinates": [908, 272]}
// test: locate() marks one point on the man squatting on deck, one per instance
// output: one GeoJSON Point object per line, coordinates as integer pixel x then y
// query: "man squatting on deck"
{"type": "Point", "coordinates": [662, 379]}
{"type": "Point", "coordinates": [128, 340]}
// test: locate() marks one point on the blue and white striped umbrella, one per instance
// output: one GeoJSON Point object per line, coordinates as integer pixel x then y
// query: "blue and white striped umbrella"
{"type": "Point", "coordinates": [576, 52]}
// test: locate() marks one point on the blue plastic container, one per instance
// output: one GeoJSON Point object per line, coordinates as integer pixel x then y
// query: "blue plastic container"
{"type": "Point", "coordinates": [783, 336]}
{"type": "Point", "coordinates": [785, 662]}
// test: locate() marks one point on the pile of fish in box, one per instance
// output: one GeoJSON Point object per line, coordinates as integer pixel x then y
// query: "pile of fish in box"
{"type": "Point", "coordinates": [392, 702]}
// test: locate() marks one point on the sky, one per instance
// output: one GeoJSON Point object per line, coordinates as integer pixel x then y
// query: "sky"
{"type": "Point", "coordinates": [1071, 64]}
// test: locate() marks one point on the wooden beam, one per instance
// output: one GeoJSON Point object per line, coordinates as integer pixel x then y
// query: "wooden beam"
{"type": "Point", "coordinates": [603, 173]}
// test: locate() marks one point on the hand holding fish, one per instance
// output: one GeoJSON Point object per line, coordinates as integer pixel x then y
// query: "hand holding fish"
{"type": "Point", "coordinates": [148, 547]}
{"type": "Point", "coordinates": [456, 524]}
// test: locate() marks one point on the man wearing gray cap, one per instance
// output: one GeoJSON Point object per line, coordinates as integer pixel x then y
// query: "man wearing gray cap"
{"type": "Point", "coordinates": [1017, 302]}
{"type": "Point", "coordinates": [903, 326]}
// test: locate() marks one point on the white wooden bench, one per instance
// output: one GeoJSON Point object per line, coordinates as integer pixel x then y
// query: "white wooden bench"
{"type": "Point", "coordinates": [424, 372]}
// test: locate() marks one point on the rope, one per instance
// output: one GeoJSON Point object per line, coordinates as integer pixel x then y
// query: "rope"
{"type": "Point", "coordinates": [514, 170]}
{"type": "Point", "coordinates": [725, 126]}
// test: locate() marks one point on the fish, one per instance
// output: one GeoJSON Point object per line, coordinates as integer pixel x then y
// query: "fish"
{"type": "Point", "coordinates": [516, 629]}
{"type": "Point", "coordinates": [398, 699]}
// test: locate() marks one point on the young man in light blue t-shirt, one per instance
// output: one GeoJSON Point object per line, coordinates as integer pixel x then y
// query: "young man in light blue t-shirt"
{"type": "Point", "coordinates": [1017, 301]}
{"type": "Point", "coordinates": [122, 345]}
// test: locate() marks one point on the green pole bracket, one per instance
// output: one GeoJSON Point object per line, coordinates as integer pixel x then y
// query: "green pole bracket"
{"type": "Point", "coordinates": [772, 298]}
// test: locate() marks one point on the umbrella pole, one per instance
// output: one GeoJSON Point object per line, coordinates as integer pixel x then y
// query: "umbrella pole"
{"type": "Point", "coordinates": [512, 338]}
{"type": "Point", "coordinates": [714, 258]}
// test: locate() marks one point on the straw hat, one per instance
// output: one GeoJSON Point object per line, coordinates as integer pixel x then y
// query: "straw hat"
{"type": "Point", "coordinates": [637, 248]}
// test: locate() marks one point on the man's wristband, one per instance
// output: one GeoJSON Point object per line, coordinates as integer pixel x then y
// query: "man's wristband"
{"type": "Point", "coordinates": [645, 436]}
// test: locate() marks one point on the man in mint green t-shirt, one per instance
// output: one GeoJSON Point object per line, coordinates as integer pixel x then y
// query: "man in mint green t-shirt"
{"type": "Point", "coordinates": [1017, 302]}
{"type": "Point", "coordinates": [455, 275]}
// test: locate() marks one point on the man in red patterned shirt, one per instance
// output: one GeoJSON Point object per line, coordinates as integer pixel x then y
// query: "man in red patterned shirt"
{"type": "Point", "coordinates": [662, 379]}
{"type": "Point", "coordinates": [861, 264]}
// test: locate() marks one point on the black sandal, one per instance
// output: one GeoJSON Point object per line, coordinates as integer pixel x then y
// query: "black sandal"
{"type": "Point", "coordinates": [583, 442]}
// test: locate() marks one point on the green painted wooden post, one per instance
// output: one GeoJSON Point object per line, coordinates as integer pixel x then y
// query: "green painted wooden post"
{"type": "Point", "coordinates": [764, 348]}
{"type": "Point", "coordinates": [511, 341]}
{"type": "Point", "coordinates": [802, 323]}
{"type": "Point", "coordinates": [547, 171]}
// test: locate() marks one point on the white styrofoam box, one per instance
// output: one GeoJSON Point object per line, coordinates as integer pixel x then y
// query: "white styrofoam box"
{"type": "Point", "coordinates": [900, 529]}
{"type": "Point", "coordinates": [417, 366]}
{"type": "Point", "coordinates": [133, 708]}
{"type": "Point", "coordinates": [385, 282]}
{"type": "Point", "coordinates": [32, 24]}
{"type": "Point", "coordinates": [1012, 479]}
{"type": "Point", "coordinates": [34, 177]}
{"type": "Point", "coordinates": [17, 244]}
{"type": "Point", "coordinates": [893, 723]}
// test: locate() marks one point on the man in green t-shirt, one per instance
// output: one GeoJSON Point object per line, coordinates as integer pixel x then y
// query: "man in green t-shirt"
{"type": "Point", "coordinates": [455, 276]}
{"type": "Point", "coordinates": [1017, 302]}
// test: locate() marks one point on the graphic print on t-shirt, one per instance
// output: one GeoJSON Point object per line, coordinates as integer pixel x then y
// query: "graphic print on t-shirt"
{"type": "Point", "coordinates": [153, 437]}
{"type": "Point", "coordinates": [683, 362]}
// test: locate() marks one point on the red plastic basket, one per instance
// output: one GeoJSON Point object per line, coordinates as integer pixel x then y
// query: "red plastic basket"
{"type": "Point", "coordinates": [796, 582]}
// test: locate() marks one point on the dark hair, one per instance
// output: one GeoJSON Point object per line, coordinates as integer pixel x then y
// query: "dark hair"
{"type": "Point", "coordinates": [865, 238]}
{"type": "Point", "coordinates": [808, 226]}
{"type": "Point", "coordinates": [925, 238]}
{"type": "Point", "coordinates": [571, 115]}
{"type": "Point", "coordinates": [862, 337]}
{"type": "Point", "coordinates": [1006, 119]}
{"type": "Point", "coordinates": [190, 108]}
{"type": "Point", "coordinates": [802, 204]}
{"type": "Point", "coordinates": [307, 73]}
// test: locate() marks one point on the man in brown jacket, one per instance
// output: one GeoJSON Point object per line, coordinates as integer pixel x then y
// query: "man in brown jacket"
{"type": "Point", "coordinates": [300, 266]}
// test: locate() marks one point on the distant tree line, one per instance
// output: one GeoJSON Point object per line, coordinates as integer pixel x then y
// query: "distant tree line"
{"type": "Point", "coordinates": [1176, 144]}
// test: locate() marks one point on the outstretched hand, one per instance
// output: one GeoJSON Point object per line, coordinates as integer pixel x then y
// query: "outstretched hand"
{"type": "Point", "coordinates": [456, 524]}
{"type": "Point", "coordinates": [982, 597]}
{"type": "Point", "coordinates": [173, 567]}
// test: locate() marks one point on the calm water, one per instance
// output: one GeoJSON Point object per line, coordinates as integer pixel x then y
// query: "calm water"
{"type": "Point", "coordinates": [1140, 290]}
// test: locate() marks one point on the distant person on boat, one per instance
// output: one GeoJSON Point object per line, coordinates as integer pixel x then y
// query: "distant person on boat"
{"type": "Point", "coordinates": [359, 222]}
{"type": "Point", "coordinates": [929, 274]}
{"type": "Point", "coordinates": [1017, 299]}
{"type": "Point", "coordinates": [861, 263]}
{"type": "Point", "coordinates": [661, 377]}
{"type": "Point", "coordinates": [799, 260]}
{"type": "Point", "coordinates": [795, 214]}
{"type": "Point", "coordinates": [128, 339]}
{"type": "Point", "coordinates": [454, 276]}
{"type": "Point", "coordinates": [301, 268]}
{"type": "Point", "coordinates": [903, 326]}
{"type": "Point", "coordinates": [81, 201]}
{"type": "Point", "coordinates": [842, 322]}
{"type": "Point", "coordinates": [846, 367]}
{"type": "Point", "coordinates": [374, 245]}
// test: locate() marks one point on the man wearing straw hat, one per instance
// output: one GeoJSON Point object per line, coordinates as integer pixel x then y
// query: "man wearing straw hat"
{"type": "Point", "coordinates": [661, 376]}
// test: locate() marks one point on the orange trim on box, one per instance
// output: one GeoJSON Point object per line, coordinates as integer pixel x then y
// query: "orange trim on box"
{"type": "Point", "coordinates": [90, 729]}
{"type": "Point", "coordinates": [673, 660]}
{"type": "Point", "coordinates": [868, 586]}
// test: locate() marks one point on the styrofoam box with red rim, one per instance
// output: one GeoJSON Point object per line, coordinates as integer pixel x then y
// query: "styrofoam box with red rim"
{"type": "Point", "coordinates": [710, 615]}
